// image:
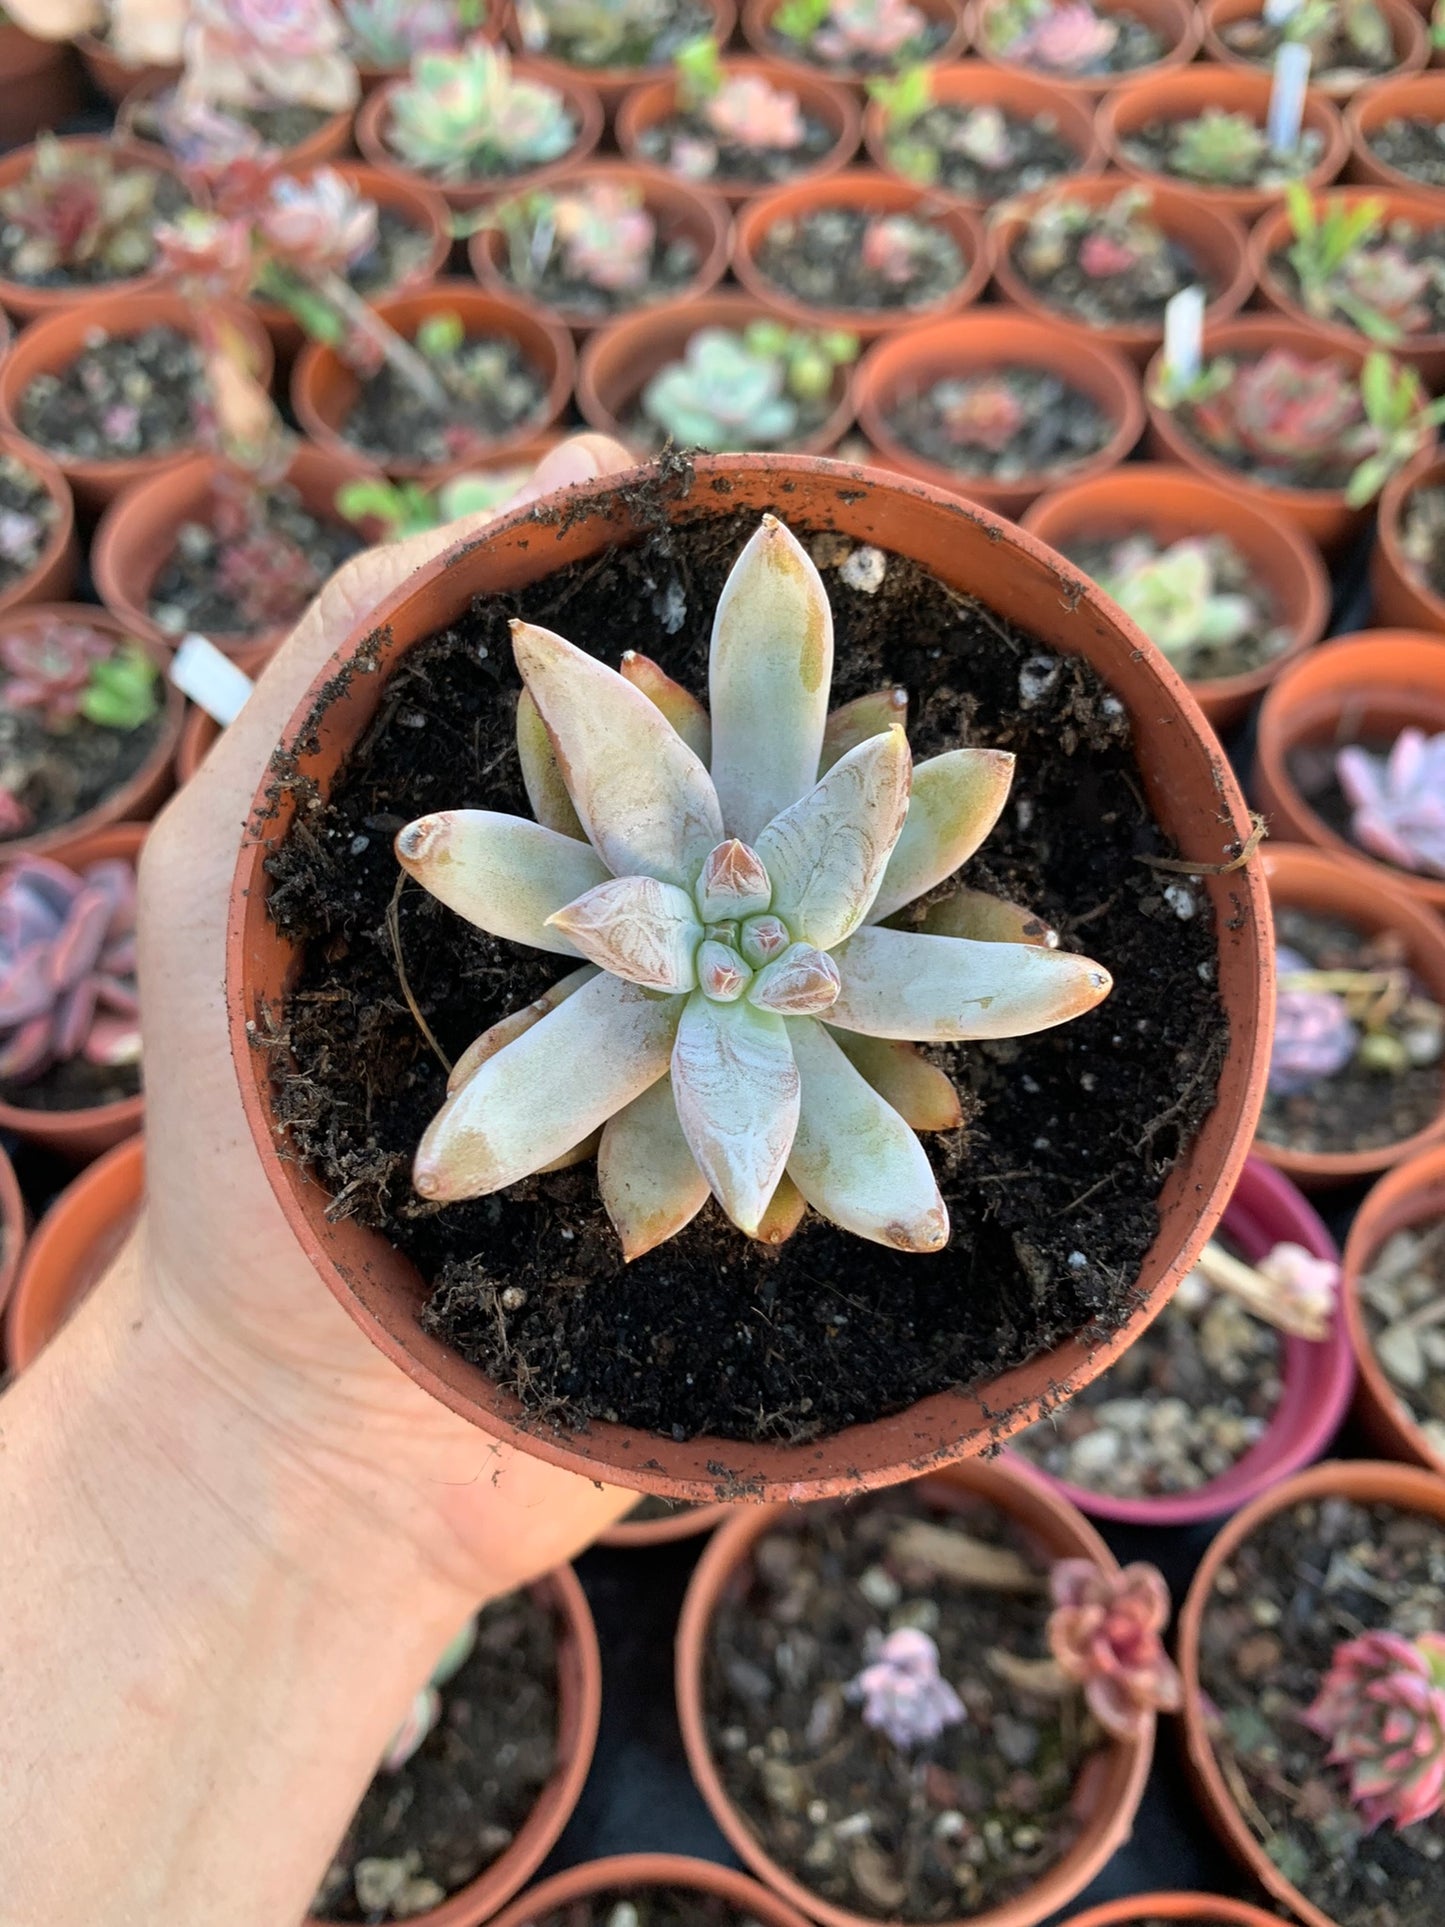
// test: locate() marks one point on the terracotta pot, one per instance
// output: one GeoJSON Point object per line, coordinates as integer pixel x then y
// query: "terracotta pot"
{"type": "Point", "coordinates": [492, 28]}
{"type": "Point", "coordinates": [757, 31]}
{"type": "Point", "coordinates": [1412, 1194]}
{"type": "Point", "coordinates": [1186, 93]}
{"type": "Point", "coordinates": [1175, 21]}
{"type": "Point", "coordinates": [692, 1524]}
{"type": "Point", "coordinates": [198, 737]}
{"type": "Point", "coordinates": [1407, 30]}
{"type": "Point", "coordinates": [331, 141]}
{"type": "Point", "coordinates": [1371, 684]}
{"type": "Point", "coordinates": [1320, 513]}
{"type": "Point", "coordinates": [974, 83]}
{"type": "Point", "coordinates": [681, 213]}
{"type": "Point", "coordinates": [14, 1220]}
{"type": "Point", "coordinates": [1400, 596]}
{"type": "Point", "coordinates": [1106, 1798]}
{"type": "Point", "coordinates": [138, 799]}
{"type": "Point", "coordinates": [39, 85]}
{"type": "Point", "coordinates": [324, 389]}
{"type": "Point", "coordinates": [979, 343]}
{"type": "Point", "coordinates": [74, 1245]}
{"type": "Point", "coordinates": [1183, 773]}
{"type": "Point", "coordinates": [619, 361]}
{"type": "Point", "coordinates": [1366, 1482]}
{"type": "Point", "coordinates": [821, 100]}
{"type": "Point", "coordinates": [1408, 97]}
{"type": "Point", "coordinates": [1173, 504]}
{"type": "Point", "coordinates": [625, 1872]}
{"type": "Point", "coordinates": [79, 1136]}
{"type": "Point", "coordinates": [49, 346]}
{"type": "Point", "coordinates": [1210, 1910]}
{"type": "Point", "coordinates": [1215, 241]}
{"type": "Point", "coordinates": [612, 84]}
{"type": "Point", "coordinates": [875, 197]}
{"type": "Point", "coordinates": [111, 78]}
{"type": "Point", "coordinates": [586, 109]}
{"type": "Point", "coordinates": [579, 1707]}
{"type": "Point", "coordinates": [137, 537]}
{"type": "Point", "coordinates": [53, 576]}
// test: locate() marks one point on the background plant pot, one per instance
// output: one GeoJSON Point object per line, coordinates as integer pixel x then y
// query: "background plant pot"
{"type": "Point", "coordinates": [980, 343]}
{"type": "Point", "coordinates": [137, 800]}
{"type": "Point", "coordinates": [974, 83]}
{"type": "Point", "coordinates": [113, 79]}
{"type": "Point", "coordinates": [1174, 504]}
{"type": "Point", "coordinates": [613, 83]}
{"type": "Point", "coordinates": [324, 389]}
{"type": "Point", "coordinates": [1184, 94]}
{"type": "Point", "coordinates": [493, 27]}
{"type": "Point", "coordinates": [39, 84]}
{"type": "Point", "coordinates": [1183, 773]}
{"type": "Point", "coordinates": [331, 141]}
{"type": "Point", "coordinates": [579, 1708]}
{"type": "Point", "coordinates": [1175, 21]}
{"type": "Point", "coordinates": [877, 197]}
{"type": "Point", "coordinates": [1366, 1482]}
{"type": "Point", "coordinates": [1105, 1801]}
{"type": "Point", "coordinates": [374, 119]}
{"type": "Point", "coordinates": [1210, 1910]}
{"type": "Point", "coordinates": [1374, 683]}
{"type": "Point", "coordinates": [689, 1524]}
{"type": "Point", "coordinates": [742, 1898]}
{"type": "Point", "coordinates": [1408, 97]}
{"type": "Point", "coordinates": [680, 212]}
{"type": "Point", "coordinates": [1400, 596]}
{"type": "Point", "coordinates": [53, 576]}
{"type": "Point", "coordinates": [619, 361]}
{"type": "Point", "coordinates": [1412, 1194]}
{"type": "Point", "coordinates": [49, 346]}
{"type": "Point", "coordinates": [757, 31]}
{"type": "Point", "coordinates": [13, 1221]}
{"type": "Point", "coordinates": [1215, 241]}
{"type": "Point", "coordinates": [834, 105]}
{"type": "Point", "coordinates": [1407, 30]}
{"type": "Point", "coordinates": [198, 736]}
{"type": "Point", "coordinates": [79, 1136]}
{"type": "Point", "coordinates": [73, 1247]}
{"type": "Point", "coordinates": [1265, 1210]}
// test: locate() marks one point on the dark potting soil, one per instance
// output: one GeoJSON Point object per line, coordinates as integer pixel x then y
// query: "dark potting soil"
{"type": "Point", "coordinates": [1136, 294]}
{"type": "Point", "coordinates": [686, 145]}
{"type": "Point", "coordinates": [1424, 247]}
{"type": "Point", "coordinates": [1413, 147]}
{"type": "Point", "coordinates": [122, 396]}
{"type": "Point", "coordinates": [60, 774]}
{"type": "Point", "coordinates": [646, 1907]}
{"type": "Point", "coordinates": [646, 434]}
{"type": "Point", "coordinates": [400, 250]}
{"type": "Point", "coordinates": [650, 46]}
{"type": "Point", "coordinates": [1061, 426]}
{"type": "Point", "coordinates": [1265, 639]}
{"type": "Point", "coordinates": [671, 268]}
{"type": "Point", "coordinates": [27, 519]}
{"type": "Point", "coordinates": [76, 1086]}
{"type": "Point", "coordinates": [954, 1826]}
{"type": "Point", "coordinates": [209, 586]}
{"type": "Point", "coordinates": [941, 149]}
{"type": "Point", "coordinates": [425, 1831]}
{"type": "Point", "coordinates": [1333, 58]}
{"type": "Point", "coordinates": [170, 198]}
{"type": "Point", "coordinates": [1152, 147]}
{"type": "Point", "coordinates": [502, 393]}
{"type": "Point", "coordinates": [1069, 1135]}
{"type": "Point", "coordinates": [649, 1509]}
{"type": "Point", "coordinates": [285, 125]}
{"type": "Point", "coordinates": [1312, 767]}
{"type": "Point", "coordinates": [1422, 536]}
{"type": "Point", "coordinates": [923, 46]}
{"type": "Point", "coordinates": [1136, 44]}
{"type": "Point", "coordinates": [823, 259]}
{"type": "Point", "coordinates": [1320, 1573]}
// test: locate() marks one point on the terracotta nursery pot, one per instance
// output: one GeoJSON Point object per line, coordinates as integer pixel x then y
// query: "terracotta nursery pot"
{"type": "Point", "coordinates": [1237, 90]}
{"type": "Point", "coordinates": [1410, 97]}
{"type": "Point", "coordinates": [821, 100]}
{"type": "Point", "coordinates": [1173, 20]}
{"type": "Point", "coordinates": [53, 576]}
{"type": "Point", "coordinates": [1366, 1482]}
{"type": "Point", "coordinates": [1265, 1210]}
{"type": "Point", "coordinates": [692, 1523]}
{"type": "Point", "coordinates": [974, 83]}
{"type": "Point", "coordinates": [74, 1245]}
{"type": "Point", "coordinates": [1105, 1801]}
{"type": "Point", "coordinates": [625, 1872]}
{"type": "Point", "coordinates": [1412, 1194]}
{"type": "Point", "coordinates": [13, 1221]}
{"type": "Point", "coordinates": [198, 737]}
{"type": "Point", "coordinates": [113, 79]}
{"type": "Point", "coordinates": [374, 119]}
{"type": "Point", "coordinates": [493, 27]}
{"type": "Point", "coordinates": [619, 361]}
{"type": "Point", "coordinates": [1210, 1910]}
{"type": "Point", "coordinates": [757, 24]}
{"type": "Point", "coordinates": [1215, 241]}
{"type": "Point", "coordinates": [1366, 686]}
{"type": "Point", "coordinates": [1183, 773]}
{"type": "Point", "coordinates": [1407, 31]}
{"type": "Point", "coordinates": [680, 212]}
{"type": "Point", "coordinates": [39, 85]}
{"type": "Point", "coordinates": [331, 141]}
{"type": "Point", "coordinates": [1401, 598]}
{"type": "Point", "coordinates": [49, 346]}
{"type": "Point", "coordinates": [978, 343]}
{"type": "Point", "coordinates": [613, 84]}
{"type": "Point", "coordinates": [1172, 505]}
{"type": "Point", "coordinates": [324, 389]}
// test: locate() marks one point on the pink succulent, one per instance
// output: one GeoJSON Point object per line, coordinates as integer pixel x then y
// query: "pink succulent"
{"type": "Point", "coordinates": [876, 29]}
{"type": "Point", "coordinates": [983, 136]}
{"type": "Point", "coordinates": [1101, 256]}
{"type": "Point", "coordinates": [988, 414]}
{"type": "Point", "coordinates": [606, 234]}
{"type": "Point", "coordinates": [1399, 800]}
{"type": "Point", "coordinates": [1314, 1036]}
{"type": "Point", "coordinates": [1105, 1632]}
{"type": "Point", "coordinates": [67, 966]}
{"type": "Point", "coordinates": [15, 819]}
{"type": "Point", "coordinates": [1382, 1708]}
{"type": "Point", "coordinates": [904, 1697]}
{"type": "Point", "coordinates": [222, 158]}
{"type": "Point", "coordinates": [1284, 407]}
{"type": "Point", "coordinates": [207, 256]}
{"type": "Point", "coordinates": [321, 223]}
{"type": "Point", "coordinates": [1068, 38]}
{"type": "Point", "coordinates": [750, 112]}
{"type": "Point", "coordinates": [889, 249]}
{"type": "Point", "coordinates": [250, 53]}
{"type": "Point", "coordinates": [47, 667]}
{"type": "Point", "coordinates": [1306, 1286]}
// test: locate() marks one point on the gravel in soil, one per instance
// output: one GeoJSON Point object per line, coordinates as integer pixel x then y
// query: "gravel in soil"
{"type": "Point", "coordinates": [647, 1907]}
{"type": "Point", "coordinates": [687, 145]}
{"type": "Point", "coordinates": [1423, 251]}
{"type": "Point", "coordinates": [1153, 147]}
{"type": "Point", "coordinates": [1136, 44]}
{"type": "Point", "coordinates": [1402, 1296]}
{"type": "Point", "coordinates": [1107, 296]}
{"type": "Point", "coordinates": [239, 588]}
{"type": "Point", "coordinates": [1307, 1579]}
{"type": "Point", "coordinates": [1183, 1405]}
{"type": "Point", "coordinates": [60, 774]}
{"type": "Point", "coordinates": [28, 518]}
{"type": "Point", "coordinates": [122, 397]}
{"type": "Point", "coordinates": [535, 265]}
{"type": "Point", "coordinates": [844, 258]}
{"type": "Point", "coordinates": [1069, 1134]}
{"type": "Point", "coordinates": [944, 1830]}
{"type": "Point", "coordinates": [1059, 426]}
{"type": "Point", "coordinates": [170, 199]}
{"type": "Point", "coordinates": [1422, 536]}
{"type": "Point", "coordinates": [923, 46]}
{"type": "Point", "coordinates": [981, 152]}
{"type": "Point", "coordinates": [427, 1830]}
{"type": "Point", "coordinates": [652, 43]}
{"type": "Point", "coordinates": [494, 391]}
{"type": "Point", "coordinates": [1335, 58]}
{"type": "Point", "coordinates": [1413, 147]}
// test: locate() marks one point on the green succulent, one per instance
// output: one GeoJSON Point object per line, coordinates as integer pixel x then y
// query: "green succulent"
{"type": "Point", "coordinates": [123, 689]}
{"type": "Point", "coordinates": [466, 114]}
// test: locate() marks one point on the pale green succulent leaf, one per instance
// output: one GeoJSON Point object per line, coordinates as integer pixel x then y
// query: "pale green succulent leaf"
{"type": "Point", "coordinates": [923, 1095]}
{"type": "Point", "coordinates": [736, 1089]}
{"type": "Point", "coordinates": [650, 1181]}
{"type": "Point", "coordinates": [939, 990]}
{"type": "Point", "coordinates": [503, 874]}
{"type": "Point", "coordinates": [681, 708]}
{"type": "Point", "coordinates": [638, 928]}
{"type": "Point", "coordinates": [853, 723]}
{"type": "Point", "coordinates": [502, 1032]}
{"type": "Point", "coordinates": [542, 773]}
{"type": "Point", "coordinates": [986, 919]}
{"type": "Point", "coordinates": [827, 855]}
{"type": "Point", "coordinates": [954, 802]}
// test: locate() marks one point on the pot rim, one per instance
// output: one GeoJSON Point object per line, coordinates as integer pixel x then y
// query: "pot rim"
{"type": "Point", "coordinates": [14, 1222]}
{"type": "Point", "coordinates": [121, 1167]}
{"type": "Point", "coordinates": [588, 1877]}
{"type": "Point", "coordinates": [1213, 1910]}
{"type": "Point", "coordinates": [48, 472]}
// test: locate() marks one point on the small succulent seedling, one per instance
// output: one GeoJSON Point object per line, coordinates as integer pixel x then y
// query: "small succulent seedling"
{"type": "Point", "coordinates": [1382, 1708]}
{"type": "Point", "coordinates": [594, 33]}
{"type": "Point", "coordinates": [1358, 25]}
{"type": "Point", "coordinates": [745, 110]}
{"type": "Point", "coordinates": [67, 967]}
{"type": "Point", "coordinates": [1218, 149]}
{"type": "Point", "coordinates": [1328, 1019]}
{"type": "Point", "coordinates": [390, 33]}
{"type": "Point", "coordinates": [601, 233]}
{"type": "Point", "coordinates": [66, 670]}
{"type": "Point", "coordinates": [739, 391]}
{"type": "Point", "coordinates": [1348, 267]}
{"type": "Point", "coordinates": [845, 31]}
{"type": "Point", "coordinates": [1106, 1634]}
{"type": "Point", "coordinates": [1065, 36]}
{"type": "Point", "coordinates": [406, 508]}
{"type": "Point", "coordinates": [261, 53]}
{"type": "Point", "coordinates": [1106, 241]}
{"type": "Point", "coordinates": [468, 113]}
{"type": "Point", "coordinates": [738, 986]}
{"type": "Point", "coordinates": [984, 413]}
{"type": "Point", "coordinates": [904, 1696]}
{"type": "Point", "coordinates": [1314, 1035]}
{"type": "Point", "coordinates": [1173, 593]}
{"type": "Point", "coordinates": [80, 209]}
{"type": "Point", "coordinates": [1398, 800]}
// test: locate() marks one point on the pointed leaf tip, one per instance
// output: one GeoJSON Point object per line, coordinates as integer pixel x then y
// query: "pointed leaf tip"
{"type": "Point", "coordinates": [736, 1089]}
{"type": "Point", "coordinates": [502, 873]}
{"type": "Point", "coordinates": [638, 928]}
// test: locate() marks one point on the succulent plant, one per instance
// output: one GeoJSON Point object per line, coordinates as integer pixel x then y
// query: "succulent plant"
{"type": "Point", "coordinates": [405, 508]}
{"type": "Point", "coordinates": [735, 391]}
{"type": "Point", "coordinates": [595, 33]}
{"type": "Point", "coordinates": [1306, 1288]}
{"type": "Point", "coordinates": [67, 669]}
{"type": "Point", "coordinates": [845, 31]}
{"type": "Point", "coordinates": [67, 967]}
{"type": "Point", "coordinates": [601, 231]}
{"type": "Point", "coordinates": [1065, 36]}
{"type": "Point", "coordinates": [1314, 1034]}
{"type": "Point", "coordinates": [1398, 801]}
{"type": "Point", "coordinates": [1112, 240]}
{"type": "Point", "coordinates": [390, 33]}
{"type": "Point", "coordinates": [1105, 1634]}
{"type": "Point", "coordinates": [1358, 25]}
{"type": "Point", "coordinates": [736, 970]}
{"type": "Point", "coordinates": [891, 248]}
{"type": "Point", "coordinates": [744, 110]}
{"type": "Point", "coordinates": [79, 208]}
{"type": "Point", "coordinates": [1346, 266]}
{"type": "Point", "coordinates": [467, 113]}
{"type": "Point", "coordinates": [983, 413]}
{"type": "Point", "coordinates": [426, 1708]}
{"type": "Point", "coordinates": [320, 223]}
{"type": "Point", "coordinates": [1306, 415]}
{"type": "Point", "coordinates": [1172, 593]}
{"type": "Point", "coordinates": [904, 1697]}
{"type": "Point", "coordinates": [1217, 148]}
{"type": "Point", "coordinates": [1382, 1708]}
{"type": "Point", "coordinates": [259, 53]}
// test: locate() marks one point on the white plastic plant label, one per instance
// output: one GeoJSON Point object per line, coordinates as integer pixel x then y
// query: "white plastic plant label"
{"type": "Point", "coordinates": [211, 680]}
{"type": "Point", "coordinates": [1183, 337]}
{"type": "Point", "coordinates": [1287, 97]}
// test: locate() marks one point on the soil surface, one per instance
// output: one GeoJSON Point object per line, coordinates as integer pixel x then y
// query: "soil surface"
{"type": "Point", "coordinates": [645, 434]}
{"type": "Point", "coordinates": [1137, 294]}
{"type": "Point", "coordinates": [1335, 58]}
{"type": "Point", "coordinates": [27, 520]}
{"type": "Point", "coordinates": [503, 392]}
{"type": "Point", "coordinates": [647, 1907]}
{"type": "Point", "coordinates": [1308, 1579]}
{"type": "Point", "coordinates": [65, 772]}
{"type": "Point", "coordinates": [687, 20]}
{"type": "Point", "coordinates": [923, 46]}
{"type": "Point", "coordinates": [489, 166]}
{"type": "Point", "coordinates": [123, 396]}
{"type": "Point", "coordinates": [537, 268]}
{"type": "Point", "coordinates": [76, 1086]}
{"type": "Point", "coordinates": [170, 198]}
{"type": "Point", "coordinates": [1060, 426]}
{"type": "Point", "coordinates": [211, 586]}
{"type": "Point", "coordinates": [427, 1830]}
{"type": "Point", "coordinates": [1402, 1296]}
{"type": "Point", "coordinates": [1413, 147]}
{"type": "Point", "coordinates": [1153, 148]}
{"type": "Point", "coordinates": [1422, 536]}
{"type": "Point", "coordinates": [942, 148]}
{"type": "Point", "coordinates": [954, 1826]}
{"type": "Point", "coordinates": [1265, 638]}
{"type": "Point", "coordinates": [1136, 44]}
{"type": "Point", "coordinates": [687, 145]}
{"type": "Point", "coordinates": [826, 259]}
{"type": "Point", "coordinates": [1070, 1133]}
{"type": "Point", "coordinates": [649, 1509]}
{"type": "Point", "coordinates": [1424, 248]}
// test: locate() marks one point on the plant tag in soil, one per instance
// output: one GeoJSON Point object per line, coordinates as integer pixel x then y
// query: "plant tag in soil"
{"type": "Point", "coordinates": [1183, 338]}
{"type": "Point", "coordinates": [1287, 97]}
{"type": "Point", "coordinates": [211, 680]}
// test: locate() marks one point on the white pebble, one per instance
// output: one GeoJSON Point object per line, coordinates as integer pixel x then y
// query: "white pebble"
{"type": "Point", "coordinates": [864, 570]}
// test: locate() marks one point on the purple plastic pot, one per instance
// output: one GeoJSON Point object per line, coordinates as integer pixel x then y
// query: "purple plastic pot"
{"type": "Point", "coordinates": [1266, 1210]}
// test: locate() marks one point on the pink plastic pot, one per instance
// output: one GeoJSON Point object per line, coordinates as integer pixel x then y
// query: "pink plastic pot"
{"type": "Point", "coordinates": [1265, 1210]}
